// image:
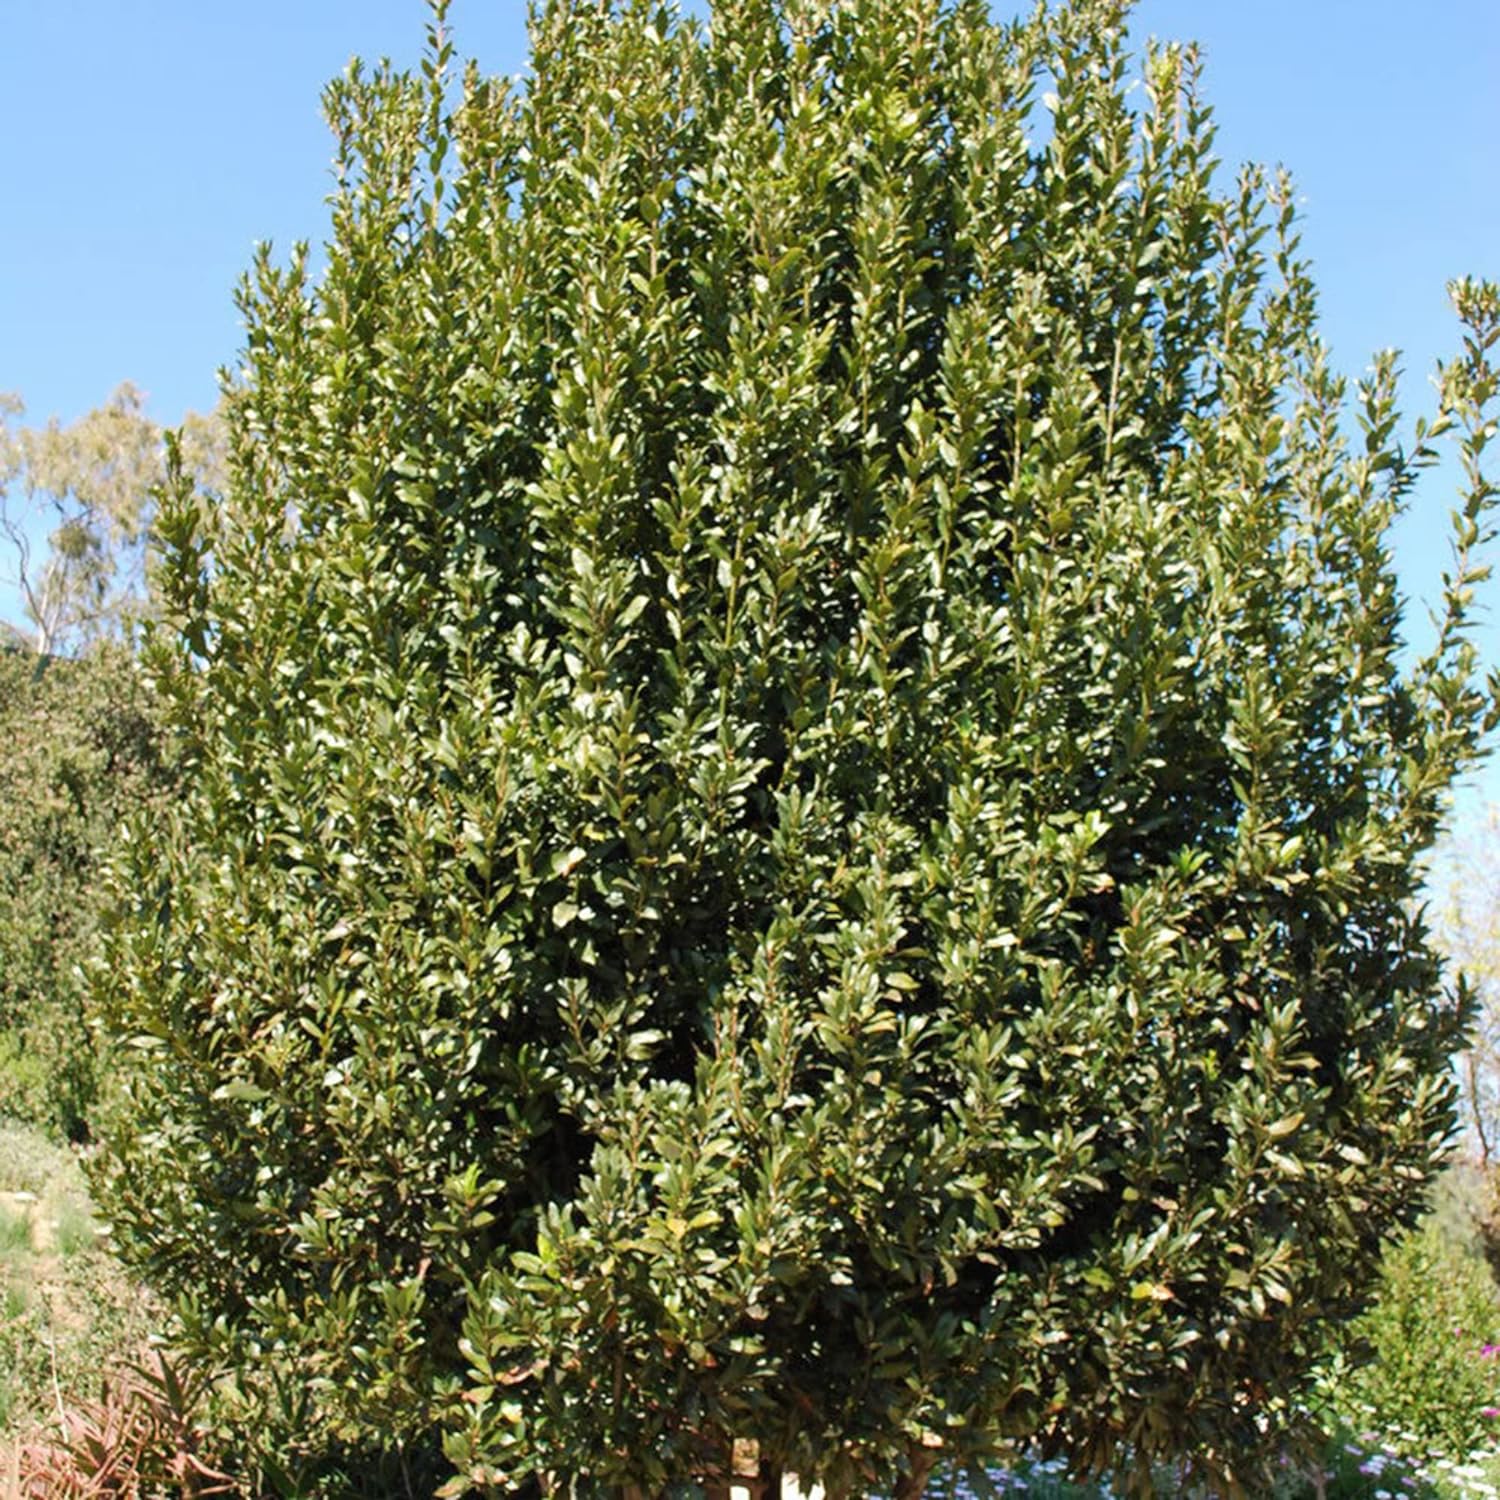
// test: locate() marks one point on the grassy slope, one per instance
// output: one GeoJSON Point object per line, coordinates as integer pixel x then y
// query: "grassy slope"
{"type": "Point", "coordinates": [65, 1307]}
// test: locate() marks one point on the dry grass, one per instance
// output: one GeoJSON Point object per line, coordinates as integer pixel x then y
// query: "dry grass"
{"type": "Point", "coordinates": [67, 1311]}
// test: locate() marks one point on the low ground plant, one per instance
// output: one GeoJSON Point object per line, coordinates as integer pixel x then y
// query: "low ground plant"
{"type": "Point", "coordinates": [15, 1231]}
{"type": "Point", "coordinates": [143, 1436]}
{"type": "Point", "coordinates": [1350, 1466]}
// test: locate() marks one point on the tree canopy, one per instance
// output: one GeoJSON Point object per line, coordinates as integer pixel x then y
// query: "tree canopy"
{"type": "Point", "coordinates": [75, 509]}
{"type": "Point", "coordinates": [803, 811]}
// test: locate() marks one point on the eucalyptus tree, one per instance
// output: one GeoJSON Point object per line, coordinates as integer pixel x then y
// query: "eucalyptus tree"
{"type": "Point", "coordinates": [75, 511]}
{"type": "Point", "coordinates": [804, 811]}
{"type": "Point", "coordinates": [73, 501]}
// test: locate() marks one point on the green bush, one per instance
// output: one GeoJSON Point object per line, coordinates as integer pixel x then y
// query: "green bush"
{"type": "Point", "coordinates": [804, 814]}
{"type": "Point", "coordinates": [81, 753]}
{"type": "Point", "coordinates": [1424, 1366]}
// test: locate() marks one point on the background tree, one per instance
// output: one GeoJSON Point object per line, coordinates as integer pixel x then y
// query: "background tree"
{"type": "Point", "coordinates": [87, 486]}
{"type": "Point", "coordinates": [803, 814]}
{"type": "Point", "coordinates": [82, 746]}
{"type": "Point", "coordinates": [75, 509]}
{"type": "Point", "coordinates": [1467, 877]}
{"type": "Point", "coordinates": [1465, 882]}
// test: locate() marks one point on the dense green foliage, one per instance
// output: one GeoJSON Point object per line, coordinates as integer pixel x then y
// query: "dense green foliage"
{"type": "Point", "coordinates": [80, 754]}
{"type": "Point", "coordinates": [803, 814]}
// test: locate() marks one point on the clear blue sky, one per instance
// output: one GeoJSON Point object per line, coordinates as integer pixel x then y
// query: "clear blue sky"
{"type": "Point", "coordinates": [149, 145]}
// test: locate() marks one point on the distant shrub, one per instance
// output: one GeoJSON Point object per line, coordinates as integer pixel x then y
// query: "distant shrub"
{"type": "Point", "coordinates": [81, 751]}
{"type": "Point", "coordinates": [1432, 1382]}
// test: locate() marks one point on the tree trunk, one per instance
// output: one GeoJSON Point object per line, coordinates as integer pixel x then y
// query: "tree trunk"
{"type": "Point", "coordinates": [768, 1483]}
{"type": "Point", "coordinates": [921, 1461]}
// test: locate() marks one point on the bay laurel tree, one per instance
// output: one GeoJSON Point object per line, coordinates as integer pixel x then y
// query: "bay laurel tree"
{"type": "Point", "coordinates": [804, 801]}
